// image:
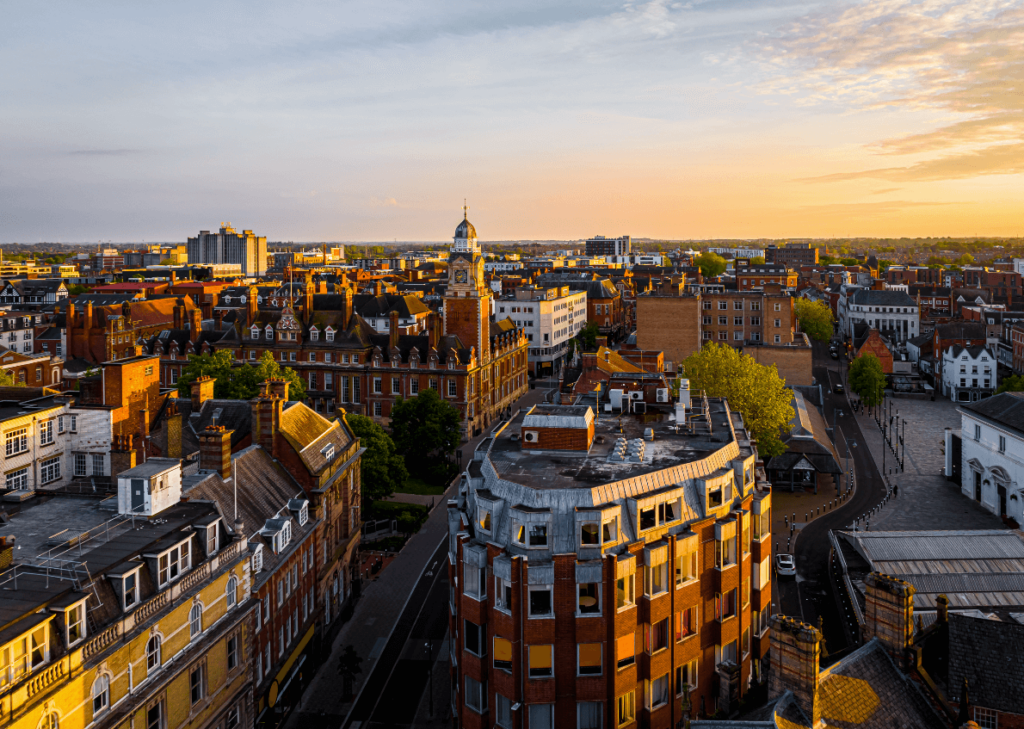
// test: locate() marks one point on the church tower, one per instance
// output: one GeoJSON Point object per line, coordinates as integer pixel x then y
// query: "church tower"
{"type": "Point", "coordinates": [467, 300]}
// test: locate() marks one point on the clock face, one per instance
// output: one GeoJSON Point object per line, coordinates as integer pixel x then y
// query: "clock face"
{"type": "Point", "coordinates": [460, 276]}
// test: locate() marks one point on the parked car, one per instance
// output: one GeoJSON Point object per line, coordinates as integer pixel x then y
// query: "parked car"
{"type": "Point", "coordinates": [838, 388]}
{"type": "Point", "coordinates": [785, 565]}
{"type": "Point", "coordinates": [834, 354]}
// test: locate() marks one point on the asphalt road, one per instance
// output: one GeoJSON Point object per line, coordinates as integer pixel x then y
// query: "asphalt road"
{"type": "Point", "coordinates": [810, 594]}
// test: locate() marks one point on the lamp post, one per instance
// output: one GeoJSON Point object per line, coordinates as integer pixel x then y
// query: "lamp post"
{"type": "Point", "coordinates": [430, 679]}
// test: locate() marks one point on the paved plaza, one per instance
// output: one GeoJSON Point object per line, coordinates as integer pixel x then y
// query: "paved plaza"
{"type": "Point", "coordinates": [926, 499]}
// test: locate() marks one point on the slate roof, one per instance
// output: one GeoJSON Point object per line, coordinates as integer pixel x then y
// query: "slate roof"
{"type": "Point", "coordinates": [871, 297]}
{"type": "Point", "coordinates": [309, 433]}
{"type": "Point", "coordinates": [807, 438]}
{"type": "Point", "coordinates": [1007, 408]}
{"type": "Point", "coordinates": [988, 654]}
{"type": "Point", "coordinates": [961, 330]}
{"type": "Point", "coordinates": [369, 305]}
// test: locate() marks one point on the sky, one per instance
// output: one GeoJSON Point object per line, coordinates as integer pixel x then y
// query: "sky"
{"type": "Point", "coordinates": [554, 119]}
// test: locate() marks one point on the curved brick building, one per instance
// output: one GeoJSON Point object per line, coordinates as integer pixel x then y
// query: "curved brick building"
{"type": "Point", "coordinates": [606, 564]}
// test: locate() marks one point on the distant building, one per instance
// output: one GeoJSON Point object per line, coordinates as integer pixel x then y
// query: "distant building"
{"type": "Point", "coordinates": [795, 254]}
{"type": "Point", "coordinates": [229, 246]}
{"type": "Point", "coordinates": [968, 373]}
{"type": "Point", "coordinates": [893, 313]}
{"type": "Point", "coordinates": [602, 246]}
{"type": "Point", "coordinates": [550, 317]}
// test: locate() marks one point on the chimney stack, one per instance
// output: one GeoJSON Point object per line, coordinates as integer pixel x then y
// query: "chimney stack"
{"type": "Point", "coordinates": [250, 303]}
{"type": "Point", "coordinates": [266, 419]}
{"type": "Point", "coordinates": [889, 614]}
{"type": "Point", "coordinates": [202, 390]}
{"type": "Point", "coordinates": [796, 656]}
{"type": "Point", "coordinates": [393, 326]}
{"type": "Point", "coordinates": [179, 314]}
{"type": "Point", "coordinates": [87, 318]}
{"type": "Point", "coordinates": [122, 456]}
{"type": "Point", "coordinates": [195, 324]}
{"type": "Point", "coordinates": [279, 388]}
{"type": "Point", "coordinates": [173, 449]}
{"type": "Point", "coordinates": [215, 450]}
{"type": "Point", "coordinates": [432, 330]}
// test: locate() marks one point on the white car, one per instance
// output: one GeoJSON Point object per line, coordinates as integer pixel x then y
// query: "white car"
{"type": "Point", "coordinates": [785, 565]}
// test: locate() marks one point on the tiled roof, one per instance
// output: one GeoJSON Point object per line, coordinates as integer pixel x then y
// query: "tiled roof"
{"type": "Point", "coordinates": [870, 297]}
{"type": "Point", "coordinates": [1006, 408]}
{"type": "Point", "coordinates": [309, 433]}
{"type": "Point", "coordinates": [988, 654]}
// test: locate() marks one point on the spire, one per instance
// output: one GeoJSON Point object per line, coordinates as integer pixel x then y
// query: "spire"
{"type": "Point", "coordinates": [465, 209]}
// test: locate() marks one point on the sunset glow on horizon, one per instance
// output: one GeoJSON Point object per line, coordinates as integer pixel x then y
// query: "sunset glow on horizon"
{"type": "Point", "coordinates": [356, 121]}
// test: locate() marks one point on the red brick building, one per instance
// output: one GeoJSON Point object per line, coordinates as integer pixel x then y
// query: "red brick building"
{"type": "Point", "coordinates": [874, 344]}
{"type": "Point", "coordinates": [588, 592]}
{"type": "Point", "coordinates": [756, 276]}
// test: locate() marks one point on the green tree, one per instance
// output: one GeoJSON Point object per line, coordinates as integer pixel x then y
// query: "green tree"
{"type": "Point", "coordinates": [965, 260]}
{"type": "Point", "coordinates": [237, 383]}
{"type": "Point", "coordinates": [1013, 383]}
{"type": "Point", "coordinates": [77, 289]}
{"type": "Point", "coordinates": [587, 337]}
{"type": "Point", "coordinates": [710, 264]}
{"type": "Point", "coordinates": [7, 380]}
{"type": "Point", "coordinates": [815, 319]}
{"type": "Point", "coordinates": [867, 379]}
{"type": "Point", "coordinates": [383, 470]}
{"type": "Point", "coordinates": [757, 261]}
{"type": "Point", "coordinates": [426, 430]}
{"type": "Point", "coordinates": [216, 365]}
{"type": "Point", "coordinates": [754, 390]}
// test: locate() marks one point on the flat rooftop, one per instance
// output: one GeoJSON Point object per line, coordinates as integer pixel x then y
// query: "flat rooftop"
{"type": "Point", "coordinates": [671, 446]}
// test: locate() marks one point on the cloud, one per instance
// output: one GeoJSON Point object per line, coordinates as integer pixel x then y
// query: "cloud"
{"type": "Point", "coordinates": [960, 61]}
{"type": "Point", "coordinates": [103, 152]}
{"type": "Point", "coordinates": [885, 190]}
{"type": "Point", "coordinates": [893, 206]}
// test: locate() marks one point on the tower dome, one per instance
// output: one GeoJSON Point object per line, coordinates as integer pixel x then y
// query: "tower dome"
{"type": "Point", "coordinates": [465, 230]}
{"type": "Point", "coordinates": [465, 235]}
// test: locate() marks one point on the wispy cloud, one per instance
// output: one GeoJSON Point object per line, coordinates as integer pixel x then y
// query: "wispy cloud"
{"type": "Point", "coordinates": [961, 60]}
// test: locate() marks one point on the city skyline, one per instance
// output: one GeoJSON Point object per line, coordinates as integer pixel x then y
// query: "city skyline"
{"type": "Point", "coordinates": [755, 119]}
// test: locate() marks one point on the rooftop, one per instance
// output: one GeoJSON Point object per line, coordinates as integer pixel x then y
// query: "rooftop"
{"type": "Point", "coordinates": [565, 469]}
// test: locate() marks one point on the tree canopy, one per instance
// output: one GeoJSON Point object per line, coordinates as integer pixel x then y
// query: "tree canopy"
{"type": "Point", "coordinates": [426, 430]}
{"type": "Point", "coordinates": [867, 379]}
{"type": "Point", "coordinates": [815, 319]}
{"type": "Point", "coordinates": [754, 390]}
{"type": "Point", "coordinates": [383, 470]}
{"type": "Point", "coordinates": [587, 337]}
{"type": "Point", "coordinates": [238, 383]}
{"type": "Point", "coordinates": [1013, 383]}
{"type": "Point", "coordinates": [710, 264]}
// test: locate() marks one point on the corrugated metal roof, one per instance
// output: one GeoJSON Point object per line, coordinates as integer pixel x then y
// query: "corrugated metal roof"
{"type": "Point", "coordinates": [928, 546]}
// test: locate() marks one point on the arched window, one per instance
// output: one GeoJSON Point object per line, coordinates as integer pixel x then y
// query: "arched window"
{"type": "Point", "coordinates": [232, 590]}
{"type": "Point", "coordinates": [195, 620]}
{"type": "Point", "coordinates": [100, 694]}
{"type": "Point", "coordinates": [153, 661]}
{"type": "Point", "coordinates": [50, 721]}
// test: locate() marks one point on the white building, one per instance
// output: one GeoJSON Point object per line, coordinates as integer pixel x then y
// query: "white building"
{"type": "Point", "coordinates": [969, 374]}
{"type": "Point", "coordinates": [992, 454]}
{"type": "Point", "coordinates": [893, 313]}
{"type": "Point", "coordinates": [230, 246]}
{"type": "Point", "coordinates": [550, 317]}
{"type": "Point", "coordinates": [738, 252]}
{"type": "Point", "coordinates": [602, 246]}
{"type": "Point", "coordinates": [503, 266]}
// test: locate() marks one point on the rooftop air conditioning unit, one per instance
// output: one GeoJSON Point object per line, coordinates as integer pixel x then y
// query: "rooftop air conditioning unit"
{"type": "Point", "coordinates": [638, 395]}
{"type": "Point", "coordinates": [662, 394]}
{"type": "Point", "coordinates": [530, 436]}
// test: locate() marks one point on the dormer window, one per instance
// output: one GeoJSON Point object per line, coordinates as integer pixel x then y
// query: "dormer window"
{"type": "Point", "coordinates": [314, 334]}
{"type": "Point", "coordinates": [174, 562]}
{"type": "Point", "coordinates": [212, 539]}
{"type": "Point", "coordinates": [130, 589]}
{"type": "Point", "coordinates": [304, 513]}
{"type": "Point", "coordinates": [330, 334]}
{"type": "Point", "coordinates": [328, 452]}
{"type": "Point", "coordinates": [255, 332]}
{"type": "Point", "coordinates": [74, 621]}
{"type": "Point", "coordinates": [270, 332]}
{"type": "Point", "coordinates": [257, 562]}
{"type": "Point", "coordinates": [483, 519]}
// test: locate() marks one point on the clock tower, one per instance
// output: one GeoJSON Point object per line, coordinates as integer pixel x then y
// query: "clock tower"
{"type": "Point", "coordinates": [467, 300]}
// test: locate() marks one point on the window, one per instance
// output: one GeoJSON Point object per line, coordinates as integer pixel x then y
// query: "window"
{"type": "Point", "coordinates": [540, 602]}
{"type": "Point", "coordinates": [173, 563]}
{"type": "Point", "coordinates": [74, 618]}
{"type": "Point", "coordinates": [986, 718]}
{"type": "Point", "coordinates": [609, 531]}
{"type": "Point", "coordinates": [476, 695]}
{"type": "Point", "coordinates": [502, 593]}
{"type": "Point", "coordinates": [686, 567]}
{"type": "Point", "coordinates": [762, 525]}
{"type": "Point", "coordinates": [60, 418]}
{"type": "Point", "coordinates": [626, 709]}
{"type": "Point", "coordinates": [74, 423]}
{"type": "Point", "coordinates": [977, 428]}
{"type": "Point", "coordinates": [657, 692]}
{"type": "Point", "coordinates": [195, 620]}
{"type": "Point", "coordinates": [725, 605]}
{"type": "Point", "coordinates": [1002, 444]}
{"type": "Point", "coordinates": [686, 677]}
{"type": "Point", "coordinates": [234, 718]}
{"type": "Point", "coordinates": [589, 714]}
{"type": "Point", "coordinates": [377, 410]}
{"type": "Point", "coordinates": [502, 653]}
{"type": "Point", "coordinates": [452, 388]}
{"type": "Point", "coordinates": [686, 623]}
{"type": "Point", "coordinates": [231, 592]}
{"type": "Point", "coordinates": [197, 688]}
{"type": "Point", "coordinates": [130, 589]}
{"type": "Point", "coordinates": [625, 650]}
{"type": "Point", "coordinates": [153, 661]}
{"type": "Point", "coordinates": [778, 339]}
{"type": "Point", "coordinates": [233, 652]}
{"type": "Point", "coordinates": [723, 305]}
{"type": "Point", "coordinates": [589, 659]}
{"type": "Point", "coordinates": [314, 335]}
{"type": "Point", "coordinates": [656, 579]}
{"type": "Point", "coordinates": [414, 386]}
{"type": "Point", "coordinates": [542, 661]}
{"type": "Point", "coordinates": [79, 464]}
{"type": "Point", "coordinates": [725, 552]}
{"type": "Point", "coordinates": [475, 581]}
{"type": "Point", "coordinates": [503, 711]}
{"type": "Point", "coordinates": [542, 716]}
{"type": "Point", "coordinates": [49, 470]}
{"type": "Point", "coordinates": [46, 433]}
{"type": "Point", "coordinates": [483, 518]}
{"type": "Point", "coordinates": [624, 596]}
{"type": "Point", "coordinates": [17, 441]}
{"type": "Point", "coordinates": [473, 638]}
{"type": "Point", "coordinates": [589, 601]}
{"type": "Point", "coordinates": [100, 694]}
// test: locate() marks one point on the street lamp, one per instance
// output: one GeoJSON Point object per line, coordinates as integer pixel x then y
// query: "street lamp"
{"type": "Point", "coordinates": [430, 678]}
